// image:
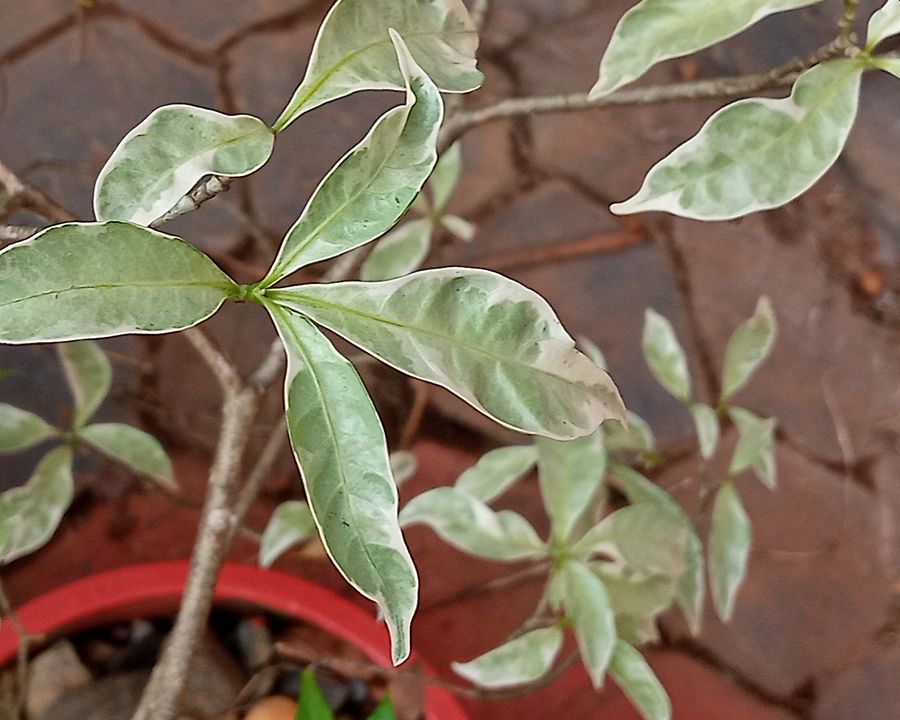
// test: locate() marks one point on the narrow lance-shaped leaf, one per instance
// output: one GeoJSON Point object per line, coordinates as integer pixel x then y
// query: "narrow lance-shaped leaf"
{"type": "Point", "coordinates": [496, 344]}
{"type": "Point", "coordinates": [891, 65]}
{"type": "Point", "coordinates": [883, 24]}
{"type": "Point", "coordinates": [517, 662]}
{"type": "Point", "coordinates": [633, 435]}
{"type": "Point", "coordinates": [729, 549]}
{"type": "Point", "coordinates": [403, 466]}
{"type": "Point", "coordinates": [353, 50]}
{"type": "Point", "coordinates": [496, 471]}
{"type": "Point", "coordinates": [756, 446]}
{"type": "Point", "coordinates": [311, 704]}
{"type": "Point", "coordinates": [587, 606]}
{"type": "Point", "coordinates": [137, 450]}
{"type": "Point", "coordinates": [468, 524]}
{"type": "Point", "coordinates": [445, 177]}
{"type": "Point", "coordinates": [570, 474]}
{"type": "Point", "coordinates": [631, 672]}
{"type": "Point", "coordinates": [89, 375]}
{"type": "Point", "coordinates": [91, 280]}
{"type": "Point", "coordinates": [375, 183]}
{"type": "Point", "coordinates": [161, 160]}
{"type": "Point", "coordinates": [341, 450]}
{"type": "Point", "coordinates": [706, 422]}
{"type": "Point", "coordinates": [29, 515]}
{"type": "Point", "coordinates": [748, 347]}
{"type": "Point", "coordinates": [20, 429]}
{"type": "Point", "coordinates": [398, 253]}
{"type": "Point", "coordinates": [291, 523]}
{"type": "Point", "coordinates": [665, 356]}
{"type": "Point", "coordinates": [758, 153]}
{"type": "Point", "coordinates": [385, 709]}
{"type": "Point", "coordinates": [657, 30]}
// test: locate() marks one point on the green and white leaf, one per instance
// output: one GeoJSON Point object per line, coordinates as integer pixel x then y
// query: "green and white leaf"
{"type": "Point", "coordinates": [729, 549]}
{"type": "Point", "coordinates": [637, 596]}
{"type": "Point", "coordinates": [517, 662]}
{"type": "Point", "coordinates": [593, 351]}
{"type": "Point", "coordinates": [353, 50]}
{"type": "Point", "coordinates": [496, 344]}
{"type": "Point", "coordinates": [29, 515]}
{"type": "Point", "coordinates": [375, 183]}
{"type": "Point", "coordinates": [891, 65]}
{"type": "Point", "coordinates": [587, 606]}
{"type": "Point", "coordinates": [291, 524]}
{"type": "Point", "coordinates": [884, 23]}
{"type": "Point", "coordinates": [496, 471]}
{"type": "Point", "coordinates": [706, 423]}
{"type": "Point", "coordinates": [756, 446]}
{"type": "Point", "coordinates": [403, 466]}
{"type": "Point", "coordinates": [341, 450]}
{"type": "Point", "coordinates": [638, 489]}
{"type": "Point", "coordinates": [630, 671]}
{"type": "Point", "coordinates": [470, 525]}
{"type": "Point", "coordinates": [650, 537]}
{"type": "Point", "coordinates": [665, 356]}
{"type": "Point", "coordinates": [635, 435]}
{"type": "Point", "coordinates": [91, 280]}
{"type": "Point", "coordinates": [748, 348]}
{"type": "Point", "coordinates": [164, 157]}
{"type": "Point", "coordinates": [20, 429]}
{"type": "Point", "coordinates": [89, 375]}
{"type": "Point", "coordinates": [758, 153]}
{"type": "Point", "coordinates": [570, 475]}
{"type": "Point", "coordinates": [445, 177]}
{"type": "Point", "coordinates": [657, 30]}
{"type": "Point", "coordinates": [398, 253]}
{"type": "Point", "coordinates": [462, 229]}
{"type": "Point", "coordinates": [135, 449]}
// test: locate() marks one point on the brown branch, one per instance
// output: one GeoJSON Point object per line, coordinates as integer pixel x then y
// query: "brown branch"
{"type": "Point", "coordinates": [205, 191]}
{"type": "Point", "coordinates": [24, 196]}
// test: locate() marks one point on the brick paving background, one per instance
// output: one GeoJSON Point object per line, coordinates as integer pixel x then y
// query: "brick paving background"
{"type": "Point", "coordinates": [816, 635]}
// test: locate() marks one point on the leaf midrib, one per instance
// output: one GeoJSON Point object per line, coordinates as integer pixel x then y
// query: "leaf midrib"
{"type": "Point", "coordinates": [114, 286]}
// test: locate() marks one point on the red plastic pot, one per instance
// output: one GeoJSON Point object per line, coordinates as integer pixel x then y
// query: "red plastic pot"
{"type": "Point", "coordinates": [156, 588]}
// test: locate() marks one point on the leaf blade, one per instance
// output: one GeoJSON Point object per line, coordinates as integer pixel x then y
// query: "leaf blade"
{"type": "Point", "coordinates": [706, 423]}
{"type": "Point", "coordinates": [373, 185]}
{"type": "Point", "coordinates": [344, 462]}
{"type": "Point", "coordinates": [492, 342]}
{"type": "Point", "coordinates": [291, 523]}
{"type": "Point", "coordinates": [748, 348]}
{"type": "Point", "coordinates": [587, 605]}
{"type": "Point", "coordinates": [398, 253]}
{"type": "Point", "coordinates": [756, 446]}
{"type": "Point", "coordinates": [758, 153]}
{"type": "Point", "coordinates": [168, 153]}
{"type": "Point", "coordinates": [657, 30]}
{"type": "Point", "coordinates": [89, 376]}
{"type": "Point", "coordinates": [884, 23]}
{"type": "Point", "coordinates": [517, 662]}
{"type": "Point", "coordinates": [630, 671]}
{"type": "Point", "coordinates": [665, 356]}
{"type": "Point", "coordinates": [496, 471]}
{"type": "Point", "coordinates": [729, 549]}
{"type": "Point", "coordinates": [20, 429]}
{"type": "Point", "coordinates": [353, 52]}
{"type": "Point", "coordinates": [135, 449]}
{"type": "Point", "coordinates": [91, 280]}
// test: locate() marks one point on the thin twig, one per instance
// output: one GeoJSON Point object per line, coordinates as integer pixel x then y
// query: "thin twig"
{"type": "Point", "coordinates": [205, 191]}
{"type": "Point", "coordinates": [721, 87]}
{"type": "Point", "coordinates": [224, 372]}
{"type": "Point", "coordinates": [845, 27]}
{"type": "Point", "coordinates": [23, 195]}
{"type": "Point", "coordinates": [21, 652]}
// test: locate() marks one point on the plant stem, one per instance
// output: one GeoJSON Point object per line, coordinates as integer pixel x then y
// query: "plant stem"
{"type": "Point", "coordinates": [21, 653]}
{"type": "Point", "coordinates": [845, 26]}
{"type": "Point", "coordinates": [23, 195]}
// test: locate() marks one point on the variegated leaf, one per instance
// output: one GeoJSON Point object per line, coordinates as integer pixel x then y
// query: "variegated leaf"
{"type": "Point", "coordinates": [135, 449]}
{"type": "Point", "coordinates": [517, 662]}
{"type": "Point", "coordinates": [496, 471]}
{"type": "Point", "coordinates": [399, 253]}
{"type": "Point", "coordinates": [748, 348]}
{"type": "Point", "coordinates": [291, 524]}
{"type": "Point", "coordinates": [729, 549]}
{"type": "Point", "coordinates": [89, 375]}
{"type": "Point", "coordinates": [20, 429]}
{"type": "Point", "coordinates": [631, 672]}
{"type": "Point", "coordinates": [884, 23]}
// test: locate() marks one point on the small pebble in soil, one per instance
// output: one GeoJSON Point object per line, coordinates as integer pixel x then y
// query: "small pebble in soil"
{"type": "Point", "coordinates": [273, 708]}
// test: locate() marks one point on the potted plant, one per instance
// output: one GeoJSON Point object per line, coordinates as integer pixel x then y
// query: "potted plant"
{"type": "Point", "coordinates": [494, 343]}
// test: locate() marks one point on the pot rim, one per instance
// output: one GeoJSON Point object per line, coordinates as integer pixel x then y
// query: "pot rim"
{"type": "Point", "coordinates": [156, 588]}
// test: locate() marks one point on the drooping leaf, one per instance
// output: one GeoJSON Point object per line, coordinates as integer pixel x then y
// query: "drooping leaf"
{"type": "Point", "coordinates": [657, 30]}
{"type": "Point", "coordinates": [706, 422]}
{"type": "Point", "coordinates": [729, 549]}
{"type": "Point", "coordinates": [161, 160]}
{"type": "Point", "coordinates": [756, 446]}
{"type": "Point", "coordinates": [29, 515]}
{"type": "Point", "coordinates": [517, 662]}
{"type": "Point", "coordinates": [884, 23]}
{"type": "Point", "coordinates": [311, 704]}
{"type": "Point", "coordinates": [374, 184]}
{"type": "Point", "coordinates": [20, 429]}
{"type": "Point", "coordinates": [445, 177]}
{"type": "Point", "coordinates": [758, 153]}
{"type": "Point", "coordinates": [468, 524]}
{"type": "Point", "coordinates": [496, 471]}
{"type": "Point", "coordinates": [403, 466]}
{"type": "Point", "coordinates": [398, 253]}
{"type": "Point", "coordinates": [665, 356]}
{"type": "Point", "coordinates": [291, 523]}
{"type": "Point", "coordinates": [91, 280]}
{"type": "Point", "coordinates": [341, 450]}
{"type": "Point", "coordinates": [570, 474]}
{"type": "Point", "coordinates": [691, 585]}
{"type": "Point", "coordinates": [89, 375]}
{"type": "Point", "coordinates": [650, 537]}
{"type": "Point", "coordinates": [748, 347]}
{"type": "Point", "coordinates": [891, 65]}
{"type": "Point", "coordinates": [496, 344]}
{"type": "Point", "coordinates": [353, 50]}
{"type": "Point", "coordinates": [137, 450]}
{"type": "Point", "coordinates": [635, 435]}
{"type": "Point", "coordinates": [587, 606]}
{"type": "Point", "coordinates": [631, 672]}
